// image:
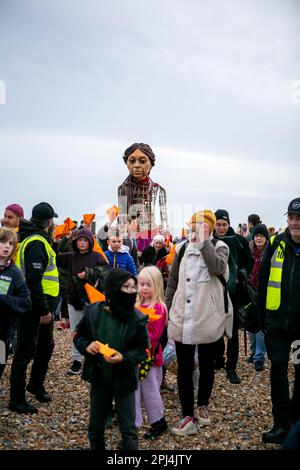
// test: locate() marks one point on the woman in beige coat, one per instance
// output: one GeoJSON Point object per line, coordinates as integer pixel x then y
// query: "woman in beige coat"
{"type": "Point", "coordinates": [200, 313]}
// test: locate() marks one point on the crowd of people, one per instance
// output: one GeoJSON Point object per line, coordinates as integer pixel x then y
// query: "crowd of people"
{"type": "Point", "coordinates": [186, 292]}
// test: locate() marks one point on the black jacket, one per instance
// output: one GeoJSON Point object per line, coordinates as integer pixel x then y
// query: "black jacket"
{"type": "Point", "coordinates": [288, 313]}
{"type": "Point", "coordinates": [14, 296]}
{"type": "Point", "coordinates": [240, 259]}
{"type": "Point", "coordinates": [36, 260]}
{"type": "Point", "coordinates": [150, 256]}
{"type": "Point", "coordinates": [136, 341]}
{"type": "Point", "coordinates": [75, 263]}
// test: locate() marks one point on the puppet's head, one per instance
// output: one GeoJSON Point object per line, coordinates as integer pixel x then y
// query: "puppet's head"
{"type": "Point", "coordinates": [139, 159]}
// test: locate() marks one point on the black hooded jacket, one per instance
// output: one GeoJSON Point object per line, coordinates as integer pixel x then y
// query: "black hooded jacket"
{"type": "Point", "coordinates": [76, 262]}
{"type": "Point", "coordinates": [240, 258]}
{"type": "Point", "coordinates": [14, 297]}
{"type": "Point", "coordinates": [135, 340]}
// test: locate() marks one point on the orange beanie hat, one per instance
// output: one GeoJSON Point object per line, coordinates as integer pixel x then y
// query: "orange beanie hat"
{"type": "Point", "coordinates": [204, 216]}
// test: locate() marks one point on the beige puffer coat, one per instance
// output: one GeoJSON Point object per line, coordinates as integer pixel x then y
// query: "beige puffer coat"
{"type": "Point", "coordinates": [195, 295]}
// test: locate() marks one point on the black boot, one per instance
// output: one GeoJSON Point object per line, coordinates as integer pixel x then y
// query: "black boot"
{"type": "Point", "coordinates": [39, 392]}
{"type": "Point", "coordinates": [275, 436]}
{"type": "Point", "coordinates": [97, 444]}
{"type": "Point", "coordinates": [22, 407]}
{"type": "Point", "coordinates": [2, 367]}
{"type": "Point", "coordinates": [156, 429]}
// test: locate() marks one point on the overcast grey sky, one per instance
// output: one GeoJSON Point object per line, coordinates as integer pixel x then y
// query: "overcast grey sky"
{"type": "Point", "coordinates": [213, 87]}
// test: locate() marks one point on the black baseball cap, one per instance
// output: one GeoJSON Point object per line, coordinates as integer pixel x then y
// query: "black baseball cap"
{"type": "Point", "coordinates": [294, 207]}
{"type": "Point", "coordinates": [43, 211]}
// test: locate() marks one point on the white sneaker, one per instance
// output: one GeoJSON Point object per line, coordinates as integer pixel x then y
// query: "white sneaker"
{"type": "Point", "coordinates": [203, 417]}
{"type": "Point", "coordinates": [186, 427]}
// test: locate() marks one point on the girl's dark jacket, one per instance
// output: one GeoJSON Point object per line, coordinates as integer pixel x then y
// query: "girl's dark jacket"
{"type": "Point", "coordinates": [134, 342]}
{"type": "Point", "coordinates": [14, 297]}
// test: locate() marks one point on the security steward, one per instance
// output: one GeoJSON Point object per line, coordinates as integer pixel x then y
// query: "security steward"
{"type": "Point", "coordinates": [37, 260]}
{"type": "Point", "coordinates": [280, 308]}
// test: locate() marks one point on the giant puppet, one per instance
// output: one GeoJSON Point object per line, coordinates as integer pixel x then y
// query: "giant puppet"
{"type": "Point", "coordinates": [138, 194]}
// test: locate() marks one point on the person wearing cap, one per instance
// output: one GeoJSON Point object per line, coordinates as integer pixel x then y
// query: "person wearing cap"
{"type": "Point", "coordinates": [260, 237]}
{"type": "Point", "coordinates": [12, 216]}
{"type": "Point", "coordinates": [279, 299]}
{"type": "Point", "coordinates": [37, 261]}
{"type": "Point", "coordinates": [137, 195]}
{"type": "Point", "coordinates": [200, 313]}
{"type": "Point", "coordinates": [240, 258]}
{"type": "Point", "coordinates": [114, 322]}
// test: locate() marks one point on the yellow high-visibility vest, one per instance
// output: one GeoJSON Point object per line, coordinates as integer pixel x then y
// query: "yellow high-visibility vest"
{"type": "Point", "coordinates": [274, 283]}
{"type": "Point", "coordinates": [50, 283]}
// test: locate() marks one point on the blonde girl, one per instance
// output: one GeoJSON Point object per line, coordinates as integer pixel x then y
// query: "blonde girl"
{"type": "Point", "coordinates": [151, 295]}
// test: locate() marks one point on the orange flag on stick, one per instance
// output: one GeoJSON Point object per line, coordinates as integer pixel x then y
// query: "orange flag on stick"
{"type": "Point", "coordinates": [171, 255]}
{"type": "Point", "coordinates": [61, 231]}
{"type": "Point", "coordinates": [112, 213]}
{"type": "Point", "coordinates": [98, 249]}
{"type": "Point", "coordinates": [150, 312]}
{"type": "Point", "coordinates": [93, 294]}
{"type": "Point", "coordinates": [88, 218]}
{"type": "Point", "coordinates": [105, 349]}
{"type": "Point", "coordinates": [69, 222]}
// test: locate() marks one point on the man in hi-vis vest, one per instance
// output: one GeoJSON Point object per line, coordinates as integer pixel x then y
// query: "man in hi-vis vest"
{"type": "Point", "coordinates": [37, 260]}
{"type": "Point", "coordinates": [279, 295]}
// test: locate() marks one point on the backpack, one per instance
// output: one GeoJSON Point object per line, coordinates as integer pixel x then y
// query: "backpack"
{"type": "Point", "coordinates": [221, 277]}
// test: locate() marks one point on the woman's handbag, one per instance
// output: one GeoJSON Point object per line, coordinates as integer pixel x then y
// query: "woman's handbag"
{"type": "Point", "coordinates": [248, 316]}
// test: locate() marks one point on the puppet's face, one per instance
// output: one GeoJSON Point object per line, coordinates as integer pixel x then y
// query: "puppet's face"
{"type": "Point", "coordinates": [139, 165]}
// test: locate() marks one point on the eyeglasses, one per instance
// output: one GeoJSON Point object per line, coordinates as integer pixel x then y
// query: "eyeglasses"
{"type": "Point", "coordinates": [129, 288]}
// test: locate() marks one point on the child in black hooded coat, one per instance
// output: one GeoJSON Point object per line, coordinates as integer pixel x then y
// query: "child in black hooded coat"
{"type": "Point", "coordinates": [116, 323]}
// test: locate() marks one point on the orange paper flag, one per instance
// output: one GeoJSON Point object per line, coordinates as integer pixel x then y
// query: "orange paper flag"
{"type": "Point", "coordinates": [150, 312]}
{"type": "Point", "coordinates": [93, 294]}
{"type": "Point", "coordinates": [69, 222]}
{"type": "Point", "coordinates": [105, 349]}
{"type": "Point", "coordinates": [88, 218]}
{"type": "Point", "coordinates": [61, 231]}
{"type": "Point", "coordinates": [112, 213]}
{"type": "Point", "coordinates": [98, 249]}
{"type": "Point", "coordinates": [170, 256]}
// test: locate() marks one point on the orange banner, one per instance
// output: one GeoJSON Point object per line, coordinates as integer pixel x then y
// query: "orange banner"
{"type": "Point", "coordinates": [93, 294]}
